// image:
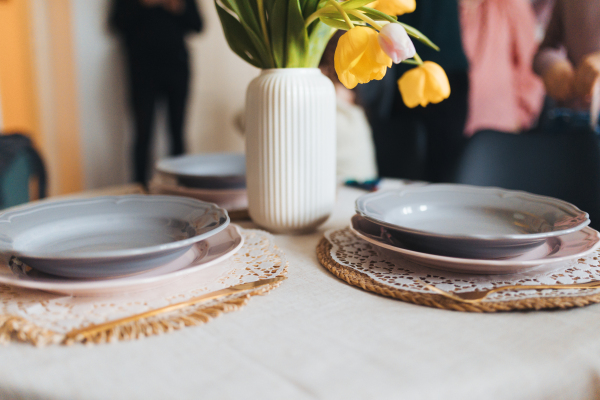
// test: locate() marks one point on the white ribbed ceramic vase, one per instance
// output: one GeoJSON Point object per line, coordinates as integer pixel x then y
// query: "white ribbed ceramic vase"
{"type": "Point", "coordinates": [290, 149]}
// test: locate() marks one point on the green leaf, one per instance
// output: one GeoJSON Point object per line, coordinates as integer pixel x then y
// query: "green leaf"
{"type": "Point", "coordinates": [410, 61]}
{"type": "Point", "coordinates": [335, 23]}
{"type": "Point", "coordinates": [278, 29]}
{"type": "Point", "coordinates": [243, 9]}
{"type": "Point", "coordinates": [309, 7]}
{"type": "Point", "coordinates": [248, 19]}
{"type": "Point", "coordinates": [354, 4]}
{"type": "Point", "coordinates": [269, 4]}
{"type": "Point", "coordinates": [317, 42]}
{"type": "Point", "coordinates": [237, 38]}
{"type": "Point", "coordinates": [336, 15]}
{"type": "Point", "coordinates": [419, 36]}
{"type": "Point", "coordinates": [375, 14]}
{"type": "Point", "coordinates": [297, 37]}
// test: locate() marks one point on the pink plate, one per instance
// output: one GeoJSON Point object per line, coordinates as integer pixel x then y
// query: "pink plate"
{"type": "Point", "coordinates": [202, 255]}
{"type": "Point", "coordinates": [230, 199]}
{"type": "Point", "coordinates": [555, 251]}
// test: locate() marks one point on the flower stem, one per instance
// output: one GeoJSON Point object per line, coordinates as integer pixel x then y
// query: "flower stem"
{"type": "Point", "coordinates": [312, 17]}
{"type": "Point", "coordinates": [343, 12]}
{"type": "Point", "coordinates": [368, 20]}
{"type": "Point", "coordinates": [418, 59]}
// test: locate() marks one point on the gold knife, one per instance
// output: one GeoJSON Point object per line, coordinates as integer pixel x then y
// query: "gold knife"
{"type": "Point", "coordinates": [93, 329]}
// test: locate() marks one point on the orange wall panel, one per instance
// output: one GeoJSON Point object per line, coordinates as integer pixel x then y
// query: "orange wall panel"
{"type": "Point", "coordinates": [67, 139]}
{"type": "Point", "coordinates": [59, 140]}
{"type": "Point", "coordinates": [17, 79]}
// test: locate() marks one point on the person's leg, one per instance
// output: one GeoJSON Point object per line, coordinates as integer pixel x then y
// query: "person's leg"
{"type": "Point", "coordinates": [397, 148]}
{"type": "Point", "coordinates": [445, 123]}
{"type": "Point", "coordinates": [143, 99]}
{"type": "Point", "coordinates": [177, 92]}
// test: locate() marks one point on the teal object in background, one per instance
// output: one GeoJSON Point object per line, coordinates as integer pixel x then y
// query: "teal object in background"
{"type": "Point", "coordinates": [14, 182]}
{"type": "Point", "coordinates": [19, 161]}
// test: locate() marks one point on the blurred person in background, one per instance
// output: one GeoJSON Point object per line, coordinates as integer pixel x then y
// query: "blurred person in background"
{"type": "Point", "coordinates": [499, 40]}
{"type": "Point", "coordinates": [422, 143]}
{"type": "Point", "coordinates": [568, 60]}
{"type": "Point", "coordinates": [153, 32]}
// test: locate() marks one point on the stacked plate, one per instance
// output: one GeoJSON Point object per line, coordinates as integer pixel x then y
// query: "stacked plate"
{"type": "Point", "coordinates": [107, 244]}
{"type": "Point", "coordinates": [218, 178]}
{"type": "Point", "coordinates": [473, 229]}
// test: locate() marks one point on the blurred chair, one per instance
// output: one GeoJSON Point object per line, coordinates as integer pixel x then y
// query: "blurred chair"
{"type": "Point", "coordinates": [19, 164]}
{"type": "Point", "coordinates": [565, 166]}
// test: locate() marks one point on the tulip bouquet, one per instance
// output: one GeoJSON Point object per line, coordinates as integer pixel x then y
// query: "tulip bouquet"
{"type": "Point", "coordinates": [294, 33]}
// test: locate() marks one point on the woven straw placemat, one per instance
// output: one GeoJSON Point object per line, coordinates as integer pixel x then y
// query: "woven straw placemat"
{"type": "Point", "coordinates": [42, 318]}
{"type": "Point", "coordinates": [361, 264]}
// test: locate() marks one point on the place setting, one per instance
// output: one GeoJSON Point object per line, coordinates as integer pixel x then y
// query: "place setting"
{"type": "Point", "coordinates": [218, 178]}
{"type": "Point", "coordinates": [467, 248]}
{"type": "Point", "coordinates": [122, 267]}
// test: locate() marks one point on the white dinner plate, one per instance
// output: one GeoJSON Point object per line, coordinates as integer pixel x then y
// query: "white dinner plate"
{"type": "Point", "coordinates": [554, 251]}
{"type": "Point", "coordinates": [107, 236]}
{"type": "Point", "coordinates": [204, 254]}
{"type": "Point", "coordinates": [209, 171]}
{"type": "Point", "coordinates": [470, 221]}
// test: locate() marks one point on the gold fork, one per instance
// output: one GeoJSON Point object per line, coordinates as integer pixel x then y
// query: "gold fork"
{"type": "Point", "coordinates": [476, 296]}
{"type": "Point", "coordinates": [96, 328]}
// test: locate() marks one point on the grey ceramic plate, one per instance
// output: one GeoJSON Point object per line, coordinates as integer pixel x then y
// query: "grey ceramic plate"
{"type": "Point", "coordinates": [550, 254]}
{"type": "Point", "coordinates": [470, 221]}
{"type": "Point", "coordinates": [107, 236]}
{"type": "Point", "coordinates": [209, 171]}
{"type": "Point", "coordinates": [202, 255]}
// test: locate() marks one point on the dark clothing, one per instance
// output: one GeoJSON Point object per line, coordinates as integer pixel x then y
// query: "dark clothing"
{"type": "Point", "coordinates": [158, 68]}
{"type": "Point", "coordinates": [422, 143]}
{"type": "Point", "coordinates": [439, 21]}
{"type": "Point", "coordinates": [153, 33]}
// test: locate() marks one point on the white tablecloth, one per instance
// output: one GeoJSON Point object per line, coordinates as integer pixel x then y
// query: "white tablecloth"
{"type": "Point", "coordinates": [316, 337]}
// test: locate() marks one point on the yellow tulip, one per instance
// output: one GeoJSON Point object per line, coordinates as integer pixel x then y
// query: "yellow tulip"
{"type": "Point", "coordinates": [359, 57]}
{"type": "Point", "coordinates": [394, 7]}
{"type": "Point", "coordinates": [424, 84]}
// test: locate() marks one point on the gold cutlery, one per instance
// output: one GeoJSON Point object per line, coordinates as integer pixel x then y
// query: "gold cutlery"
{"type": "Point", "coordinates": [478, 295]}
{"type": "Point", "coordinates": [97, 328]}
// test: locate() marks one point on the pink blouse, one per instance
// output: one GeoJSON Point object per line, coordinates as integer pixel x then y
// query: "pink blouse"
{"type": "Point", "coordinates": [499, 41]}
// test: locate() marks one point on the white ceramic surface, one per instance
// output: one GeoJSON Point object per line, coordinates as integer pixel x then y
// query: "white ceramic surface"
{"type": "Point", "coordinates": [554, 251]}
{"type": "Point", "coordinates": [204, 254]}
{"type": "Point", "coordinates": [470, 221]}
{"type": "Point", "coordinates": [107, 236]}
{"type": "Point", "coordinates": [209, 171]}
{"type": "Point", "coordinates": [290, 149]}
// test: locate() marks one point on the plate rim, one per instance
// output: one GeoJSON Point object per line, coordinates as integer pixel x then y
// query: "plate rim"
{"type": "Point", "coordinates": [504, 193]}
{"type": "Point", "coordinates": [107, 284]}
{"type": "Point", "coordinates": [223, 222]}
{"type": "Point", "coordinates": [166, 169]}
{"type": "Point", "coordinates": [478, 262]}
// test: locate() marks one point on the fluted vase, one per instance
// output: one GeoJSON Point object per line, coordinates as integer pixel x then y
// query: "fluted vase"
{"type": "Point", "coordinates": [290, 149]}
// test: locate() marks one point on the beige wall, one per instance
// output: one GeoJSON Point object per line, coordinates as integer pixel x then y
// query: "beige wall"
{"type": "Point", "coordinates": [217, 94]}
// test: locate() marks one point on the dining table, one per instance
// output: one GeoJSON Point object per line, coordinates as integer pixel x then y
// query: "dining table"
{"type": "Point", "coordinates": [317, 337]}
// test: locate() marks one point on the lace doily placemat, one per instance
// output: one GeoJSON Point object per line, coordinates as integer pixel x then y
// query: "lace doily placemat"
{"type": "Point", "coordinates": [44, 318]}
{"type": "Point", "coordinates": [386, 273]}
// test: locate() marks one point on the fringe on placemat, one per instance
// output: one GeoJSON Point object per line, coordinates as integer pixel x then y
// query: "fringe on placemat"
{"type": "Point", "coordinates": [157, 325]}
{"type": "Point", "coordinates": [13, 328]}
{"type": "Point", "coordinates": [19, 329]}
